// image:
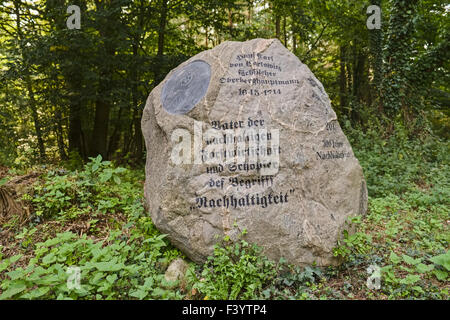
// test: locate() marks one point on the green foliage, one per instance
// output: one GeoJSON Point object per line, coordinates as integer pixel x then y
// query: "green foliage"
{"type": "Point", "coordinates": [98, 187]}
{"type": "Point", "coordinates": [122, 255]}
{"type": "Point", "coordinates": [356, 243]}
{"type": "Point", "coordinates": [58, 85]}
{"type": "Point", "coordinates": [294, 283]}
{"type": "Point", "coordinates": [406, 230]}
{"type": "Point", "coordinates": [399, 163]}
{"type": "Point", "coordinates": [114, 269]}
{"type": "Point", "coordinates": [442, 260]}
{"type": "Point", "coordinates": [407, 236]}
{"type": "Point", "coordinates": [128, 263]}
{"type": "Point", "coordinates": [235, 271]}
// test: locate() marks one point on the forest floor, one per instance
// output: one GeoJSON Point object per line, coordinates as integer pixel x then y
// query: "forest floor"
{"type": "Point", "coordinates": [92, 218]}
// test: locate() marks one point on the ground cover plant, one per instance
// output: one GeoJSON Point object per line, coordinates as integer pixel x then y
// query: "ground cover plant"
{"type": "Point", "coordinates": [93, 218]}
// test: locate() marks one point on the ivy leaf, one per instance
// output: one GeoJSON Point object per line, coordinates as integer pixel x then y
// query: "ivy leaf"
{"type": "Point", "coordinates": [96, 278]}
{"type": "Point", "coordinates": [49, 280]}
{"type": "Point", "coordinates": [120, 170]}
{"type": "Point", "coordinates": [111, 278]}
{"type": "Point", "coordinates": [148, 284]}
{"type": "Point", "coordinates": [5, 264]}
{"type": "Point", "coordinates": [15, 258]}
{"type": "Point", "coordinates": [418, 289]}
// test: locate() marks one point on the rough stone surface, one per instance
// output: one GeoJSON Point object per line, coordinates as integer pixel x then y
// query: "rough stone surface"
{"type": "Point", "coordinates": [318, 182]}
{"type": "Point", "coordinates": [176, 270]}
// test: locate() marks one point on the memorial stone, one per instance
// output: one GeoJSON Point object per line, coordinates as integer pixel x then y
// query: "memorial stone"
{"type": "Point", "coordinates": [243, 137]}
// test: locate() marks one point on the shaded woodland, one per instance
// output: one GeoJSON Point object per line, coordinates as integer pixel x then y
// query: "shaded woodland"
{"type": "Point", "coordinates": [73, 94]}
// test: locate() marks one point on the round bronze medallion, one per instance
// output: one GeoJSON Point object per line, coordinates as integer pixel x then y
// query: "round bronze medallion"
{"type": "Point", "coordinates": [186, 87]}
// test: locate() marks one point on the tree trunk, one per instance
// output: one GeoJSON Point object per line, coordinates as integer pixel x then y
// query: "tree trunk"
{"type": "Point", "coordinates": [59, 135]}
{"type": "Point", "coordinates": [162, 27]}
{"type": "Point", "coordinates": [75, 131]}
{"type": "Point", "coordinates": [34, 114]}
{"type": "Point", "coordinates": [278, 27]}
{"type": "Point", "coordinates": [342, 79]}
{"type": "Point", "coordinates": [230, 21]}
{"type": "Point", "coordinates": [28, 82]}
{"type": "Point", "coordinates": [294, 36]}
{"type": "Point", "coordinates": [159, 61]}
{"type": "Point", "coordinates": [358, 82]}
{"type": "Point", "coordinates": [100, 132]}
{"type": "Point", "coordinates": [114, 142]}
{"type": "Point", "coordinates": [399, 49]}
{"type": "Point", "coordinates": [102, 104]}
{"type": "Point", "coordinates": [138, 136]}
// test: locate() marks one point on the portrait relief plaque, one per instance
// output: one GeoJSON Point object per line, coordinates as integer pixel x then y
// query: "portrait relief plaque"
{"type": "Point", "coordinates": [186, 87]}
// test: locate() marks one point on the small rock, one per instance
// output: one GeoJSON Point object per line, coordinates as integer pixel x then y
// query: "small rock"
{"type": "Point", "coordinates": [176, 271]}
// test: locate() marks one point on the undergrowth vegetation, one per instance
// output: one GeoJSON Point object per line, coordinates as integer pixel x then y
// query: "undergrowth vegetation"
{"type": "Point", "coordinates": [93, 218]}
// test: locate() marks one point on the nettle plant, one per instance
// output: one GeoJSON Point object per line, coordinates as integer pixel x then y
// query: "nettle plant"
{"type": "Point", "coordinates": [116, 268]}
{"type": "Point", "coordinates": [98, 187]}
{"type": "Point", "coordinates": [236, 270]}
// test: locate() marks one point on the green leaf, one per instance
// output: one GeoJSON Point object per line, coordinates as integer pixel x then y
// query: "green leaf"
{"type": "Point", "coordinates": [16, 274]}
{"type": "Point", "coordinates": [418, 289]}
{"type": "Point", "coordinates": [423, 268]}
{"type": "Point", "coordinates": [440, 274]}
{"type": "Point", "coordinates": [411, 261]}
{"type": "Point", "coordinates": [13, 290]}
{"type": "Point", "coordinates": [49, 280]}
{"type": "Point", "coordinates": [140, 294]}
{"type": "Point", "coordinates": [104, 177]}
{"type": "Point", "coordinates": [96, 278]}
{"type": "Point", "coordinates": [394, 258]}
{"type": "Point", "coordinates": [159, 292]}
{"type": "Point", "coordinates": [410, 279]}
{"type": "Point", "coordinates": [111, 278]}
{"type": "Point", "coordinates": [3, 181]}
{"type": "Point", "coordinates": [408, 270]}
{"type": "Point", "coordinates": [442, 260]}
{"type": "Point", "coordinates": [15, 258]}
{"type": "Point", "coordinates": [36, 293]}
{"type": "Point", "coordinates": [120, 170]}
{"type": "Point", "coordinates": [148, 284]}
{"type": "Point", "coordinates": [49, 258]}
{"type": "Point", "coordinates": [108, 266]}
{"type": "Point", "coordinates": [5, 264]}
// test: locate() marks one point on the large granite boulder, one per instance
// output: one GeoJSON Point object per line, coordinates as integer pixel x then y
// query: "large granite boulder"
{"type": "Point", "coordinates": [243, 137]}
